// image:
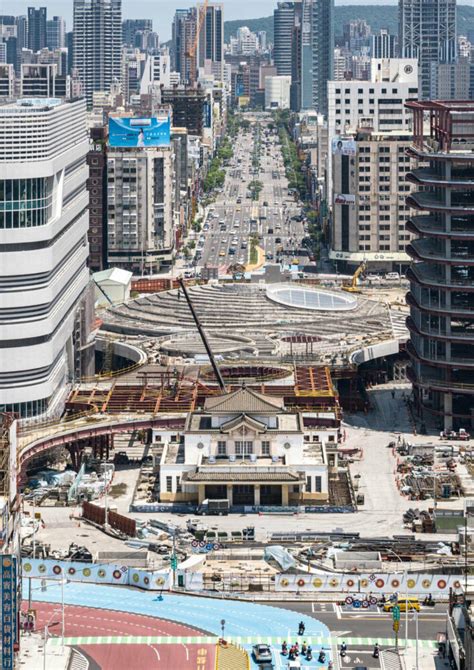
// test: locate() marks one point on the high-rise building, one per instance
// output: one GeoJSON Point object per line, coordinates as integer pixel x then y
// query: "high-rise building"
{"type": "Point", "coordinates": [130, 27]}
{"type": "Point", "coordinates": [451, 81]}
{"type": "Point", "coordinates": [441, 297]}
{"type": "Point", "coordinates": [384, 45]}
{"type": "Point", "coordinates": [322, 52]}
{"type": "Point", "coordinates": [56, 33]}
{"type": "Point", "coordinates": [43, 257]}
{"type": "Point", "coordinates": [378, 104]}
{"type": "Point", "coordinates": [211, 41]}
{"type": "Point", "coordinates": [369, 209]}
{"type": "Point", "coordinates": [188, 107]}
{"type": "Point", "coordinates": [37, 28]}
{"type": "Point", "coordinates": [140, 198]}
{"type": "Point", "coordinates": [184, 39]}
{"type": "Point", "coordinates": [283, 24]}
{"type": "Point", "coordinates": [97, 187]}
{"type": "Point", "coordinates": [97, 43]}
{"type": "Point", "coordinates": [427, 31]}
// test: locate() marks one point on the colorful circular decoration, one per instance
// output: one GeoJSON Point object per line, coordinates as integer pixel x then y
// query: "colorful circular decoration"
{"type": "Point", "coordinates": [334, 583]}
{"type": "Point", "coordinates": [195, 543]}
{"type": "Point", "coordinates": [350, 583]}
{"type": "Point", "coordinates": [101, 573]}
{"type": "Point", "coordinates": [317, 583]}
{"type": "Point", "coordinates": [284, 582]}
{"type": "Point", "coordinates": [301, 582]}
{"type": "Point", "coordinates": [146, 581]}
{"type": "Point", "coordinates": [411, 583]}
{"type": "Point", "coordinates": [364, 582]}
{"type": "Point", "coordinates": [457, 584]}
{"type": "Point", "coordinates": [395, 583]}
{"type": "Point", "coordinates": [426, 583]}
{"type": "Point", "coordinates": [42, 568]}
{"type": "Point", "coordinates": [27, 567]}
{"type": "Point", "coordinates": [86, 572]}
{"type": "Point", "coordinates": [116, 574]}
{"type": "Point", "coordinates": [57, 569]}
{"type": "Point", "coordinates": [136, 578]}
{"type": "Point", "coordinates": [349, 600]}
{"type": "Point", "coordinates": [379, 583]}
{"type": "Point", "coordinates": [442, 583]}
{"type": "Point", "coordinates": [160, 581]}
{"type": "Point", "coordinates": [365, 604]}
{"type": "Point", "coordinates": [71, 570]}
{"type": "Point", "coordinates": [373, 600]}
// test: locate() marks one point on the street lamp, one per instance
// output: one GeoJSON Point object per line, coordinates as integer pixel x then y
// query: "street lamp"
{"type": "Point", "coordinates": [405, 575]}
{"type": "Point", "coordinates": [223, 628]}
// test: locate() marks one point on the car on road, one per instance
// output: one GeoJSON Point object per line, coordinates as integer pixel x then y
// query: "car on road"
{"type": "Point", "coordinates": [269, 256]}
{"type": "Point", "coordinates": [412, 603]}
{"type": "Point", "coordinates": [262, 653]}
{"type": "Point", "coordinates": [360, 667]}
{"type": "Point", "coordinates": [222, 253]}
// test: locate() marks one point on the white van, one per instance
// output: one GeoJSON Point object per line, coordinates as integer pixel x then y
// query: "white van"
{"type": "Point", "coordinates": [392, 276]}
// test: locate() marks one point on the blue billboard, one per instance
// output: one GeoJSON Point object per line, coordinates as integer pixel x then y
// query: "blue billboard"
{"type": "Point", "coordinates": [135, 132]}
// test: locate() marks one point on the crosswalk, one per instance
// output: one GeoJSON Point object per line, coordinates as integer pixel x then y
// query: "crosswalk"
{"type": "Point", "coordinates": [78, 661]}
{"type": "Point", "coordinates": [238, 640]}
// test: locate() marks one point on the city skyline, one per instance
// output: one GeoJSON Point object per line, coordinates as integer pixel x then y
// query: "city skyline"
{"type": "Point", "coordinates": [162, 12]}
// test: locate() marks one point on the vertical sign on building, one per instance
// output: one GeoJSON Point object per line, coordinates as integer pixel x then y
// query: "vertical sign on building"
{"type": "Point", "coordinates": [9, 613]}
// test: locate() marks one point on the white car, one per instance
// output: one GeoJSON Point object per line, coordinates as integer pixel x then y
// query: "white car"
{"type": "Point", "coordinates": [392, 276]}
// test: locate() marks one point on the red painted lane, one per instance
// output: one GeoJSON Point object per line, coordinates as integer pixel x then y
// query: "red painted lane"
{"type": "Point", "coordinates": [149, 657]}
{"type": "Point", "coordinates": [90, 621]}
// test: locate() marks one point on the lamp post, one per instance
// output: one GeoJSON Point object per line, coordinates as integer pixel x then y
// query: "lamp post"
{"type": "Point", "coordinates": [223, 628]}
{"type": "Point", "coordinates": [405, 575]}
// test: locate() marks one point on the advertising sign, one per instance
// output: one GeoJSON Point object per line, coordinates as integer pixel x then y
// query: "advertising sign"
{"type": "Point", "coordinates": [136, 132]}
{"type": "Point", "coordinates": [344, 199]}
{"type": "Point", "coordinates": [9, 607]}
{"type": "Point", "coordinates": [343, 147]}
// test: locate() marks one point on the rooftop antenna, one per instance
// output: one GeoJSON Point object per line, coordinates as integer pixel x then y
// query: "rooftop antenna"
{"type": "Point", "coordinates": [215, 367]}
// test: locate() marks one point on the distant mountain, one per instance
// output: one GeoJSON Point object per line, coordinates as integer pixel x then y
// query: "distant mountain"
{"type": "Point", "coordinates": [377, 16]}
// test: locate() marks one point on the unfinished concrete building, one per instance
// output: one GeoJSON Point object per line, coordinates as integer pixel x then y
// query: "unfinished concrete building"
{"type": "Point", "coordinates": [441, 296]}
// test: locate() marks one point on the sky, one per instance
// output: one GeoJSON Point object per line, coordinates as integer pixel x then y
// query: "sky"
{"type": "Point", "coordinates": [162, 11]}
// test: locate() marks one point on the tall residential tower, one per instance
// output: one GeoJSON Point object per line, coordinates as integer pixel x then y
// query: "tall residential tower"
{"type": "Point", "coordinates": [427, 31]}
{"type": "Point", "coordinates": [97, 43]}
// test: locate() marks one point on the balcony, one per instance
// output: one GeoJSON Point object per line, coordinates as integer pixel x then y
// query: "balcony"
{"type": "Point", "coordinates": [442, 385]}
{"type": "Point", "coordinates": [438, 358]}
{"type": "Point", "coordinates": [440, 334]}
{"type": "Point", "coordinates": [429, 176]}
{"type": "Point", "coordinates": [463, 203]}
{"type": "Point", "coordinates": [434, 307]}
{"type": "Point", "coordinates": [432, 226]}
{"type": "Point", "coordinates": [432, 275]}
{"type": "Point", "coordinates": [429, 250]}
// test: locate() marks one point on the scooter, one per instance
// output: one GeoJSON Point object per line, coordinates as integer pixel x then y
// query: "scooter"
{"type": "Point", "coordinates": [309, 654]}
{"type": "Point", "coordinates": [376, 653]}
{"type": "Point", "coordinates": [322, 657]}
{"type": "Point", "coordinates": [343, 650]}
{"type": "Point", "coordinates": [284, 649]}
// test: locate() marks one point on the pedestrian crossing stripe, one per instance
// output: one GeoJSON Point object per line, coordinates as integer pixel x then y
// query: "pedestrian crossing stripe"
{"type": "Point", "coordinates": [236, 639]}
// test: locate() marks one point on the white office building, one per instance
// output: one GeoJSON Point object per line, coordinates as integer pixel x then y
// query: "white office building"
{"type": "Point", "coordinates": [277, 92]}
{"type": "Point", "coordinates": [378, 104]}
{"type": "Point", "coordinates": [43, 253]}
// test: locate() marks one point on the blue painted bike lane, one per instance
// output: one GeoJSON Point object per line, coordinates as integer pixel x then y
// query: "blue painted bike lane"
{"type": "Point", "coordinates": [242, 618]}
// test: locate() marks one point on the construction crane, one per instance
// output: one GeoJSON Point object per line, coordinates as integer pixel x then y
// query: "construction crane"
{"type": "Point", "coordinates": [204, 339]}
{"type": "Point", "coordinates": [352, 287]}
{"type": "Point", "coordinates": [202, 10]}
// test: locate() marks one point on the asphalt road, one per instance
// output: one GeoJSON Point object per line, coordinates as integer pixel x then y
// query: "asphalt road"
{"type": "Point", "coordinates": [371, 623]}
{"type": "Point", "coordinates": [228, 222]}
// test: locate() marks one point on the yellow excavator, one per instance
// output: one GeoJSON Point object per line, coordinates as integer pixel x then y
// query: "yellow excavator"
{"type": "Point", "coordinates": [352, 286]}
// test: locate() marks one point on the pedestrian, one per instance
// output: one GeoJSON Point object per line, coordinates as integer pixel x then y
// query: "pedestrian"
{"type": "Point", "coordinates": [393, 394]}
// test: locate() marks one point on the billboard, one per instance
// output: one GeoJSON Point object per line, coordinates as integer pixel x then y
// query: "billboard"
{"type": "Point", "coordinates": [344, 199]}
{"type": "Point", "coordinates": [136, 132]}
{"type": "Point", "coordinates": [343, 147]}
